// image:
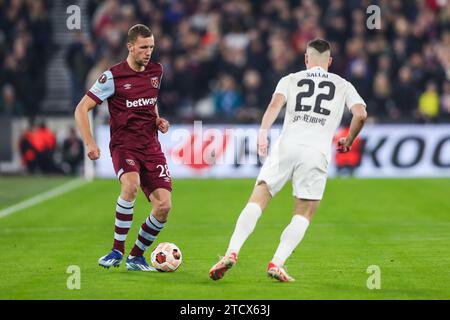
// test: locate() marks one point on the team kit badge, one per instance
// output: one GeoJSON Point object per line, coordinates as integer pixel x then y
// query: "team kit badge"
{"type": "Point", "coordinates": [155, 82]}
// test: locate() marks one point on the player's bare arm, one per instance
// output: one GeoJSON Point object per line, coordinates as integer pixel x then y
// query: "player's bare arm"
{"type": "Point", "coordinates": [271, 114]}
{"type": "Point", "coordinates": [81, 116]}
{"type": "Point", "coordinates": [161, 123]}
{"type": "Point", "coordinates": [359, 118]}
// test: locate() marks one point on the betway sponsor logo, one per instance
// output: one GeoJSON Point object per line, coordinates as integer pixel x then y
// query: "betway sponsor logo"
{"type": "Point", "coordinates": [141, 102]}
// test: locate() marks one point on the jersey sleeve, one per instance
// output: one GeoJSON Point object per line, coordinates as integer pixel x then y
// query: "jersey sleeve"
{"type": "Point", "coordinates": [283, 87]}
{"type": "Point", "coordinates": [353, 97]}
{"type": "Point", "coordinates": [103, 88]}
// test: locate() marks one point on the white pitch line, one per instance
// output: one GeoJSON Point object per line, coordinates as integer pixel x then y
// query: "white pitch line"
{"type": "Point", "coordinates": [66, 187]}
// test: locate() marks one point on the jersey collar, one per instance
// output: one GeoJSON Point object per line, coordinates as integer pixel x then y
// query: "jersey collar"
{"type": "Point", "coordinates": [317, 67]}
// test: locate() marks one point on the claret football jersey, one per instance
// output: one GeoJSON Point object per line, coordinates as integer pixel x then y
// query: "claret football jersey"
{"type": "Point", "coordinates": [132, 98]}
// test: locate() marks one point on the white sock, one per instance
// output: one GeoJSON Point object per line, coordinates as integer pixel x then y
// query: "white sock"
{"type": "Point", "coordinates": [290, 238]}
{"type": "Point", "coordinates": [244, 226]}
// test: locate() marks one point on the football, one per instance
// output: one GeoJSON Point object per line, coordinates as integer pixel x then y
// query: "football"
{"type": "Point", "coordinates": [166, 257]}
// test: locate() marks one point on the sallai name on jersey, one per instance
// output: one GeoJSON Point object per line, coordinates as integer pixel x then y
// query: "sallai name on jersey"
{"type": "Point", "coordinates": [317, 75]}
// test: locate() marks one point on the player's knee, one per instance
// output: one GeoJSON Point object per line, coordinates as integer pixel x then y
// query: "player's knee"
{"type": "Point", "coordinates": [130, 189]}
{"type": "Point", "coordinates": [162, 208]}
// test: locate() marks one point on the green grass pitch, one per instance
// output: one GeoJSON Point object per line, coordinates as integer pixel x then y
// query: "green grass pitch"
{"type": "Point", "coordinates": [402, 226]}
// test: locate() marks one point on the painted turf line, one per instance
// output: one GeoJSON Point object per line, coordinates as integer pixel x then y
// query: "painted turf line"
{"type": "Point", "coordinates": [66, 187]}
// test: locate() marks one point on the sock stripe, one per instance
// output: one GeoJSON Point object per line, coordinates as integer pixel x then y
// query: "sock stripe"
{"type": "Point", "coordinates": [123, 207]}
{"type": "Point", "coordinates": [123, 224]}
{"type": "Point", "coordinates": [124, 217]}
{"type": "Point", "coordinates": [144, 241]}
{"type": "Point", "coordinates": [151, 225]}
{"type": "Point", "coordinates": [121, 230]}
{"type": "Point", "coordinates": [146, 235]}
{"type": "Point", "coordinates": [120, 237]}
{"type": "Point", "coordinates": [140, 245]}
{"type": "Point", "coordinates": [125, 203]}
{"type": "Point", "coordinates": [125, 212]}
{"type": "Point", "coordinates": [158, 225]}
{"type": "Point", "coordinates": [147, 229]}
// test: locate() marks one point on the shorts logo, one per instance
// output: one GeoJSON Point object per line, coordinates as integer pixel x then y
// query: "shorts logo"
{"type": "Point", "coordinates": [155, 82]}
{"type": "Point", "coordinates": [130, 162]}
{"type": "Point", "coordinates": [102, 78]}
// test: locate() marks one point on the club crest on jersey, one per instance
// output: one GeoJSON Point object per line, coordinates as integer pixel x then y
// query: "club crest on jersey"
{"type": "Point", "coordinates": [155, 82]}
{"type": "Point", "coordinates": [102, 78]}
{"type": "Point", "coordinates": [130, 162]}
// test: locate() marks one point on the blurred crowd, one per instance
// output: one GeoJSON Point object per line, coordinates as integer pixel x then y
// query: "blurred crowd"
{"type": "Point", "coordinates": [223, 59]}
{"type": "Point", "coordinates": [25, 50]}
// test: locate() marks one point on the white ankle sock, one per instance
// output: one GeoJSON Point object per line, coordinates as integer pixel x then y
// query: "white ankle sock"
{"type": "Point", "coordinates": [290, 238]}
{"type": "Point", "coordinates": [244, 226]}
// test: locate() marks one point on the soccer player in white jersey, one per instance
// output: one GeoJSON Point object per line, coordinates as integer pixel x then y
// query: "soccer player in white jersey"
{"type": "Point", "coordinates": [315, 100]}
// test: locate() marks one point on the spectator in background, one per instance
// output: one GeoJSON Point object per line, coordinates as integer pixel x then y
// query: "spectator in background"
{"type": "Point", "coordinates": [256, 52]}
{"type": "Point", "coordinates": [27, 46]}
{"type": "Point", "coordinates": [429, 103]}
{"type": "Point", "coordinates": [282, 60]}
{"type": "Point", "coordinates": [72, 153]}
{"type": "Point", "coordinates": [445, 100]}
{"type": "Point", "coordinates": [381, 103]}
{"type": "Point", "coordinates": [227, 99]}
{"type": "Point", "coordinates": [9, 105]}
{"type": "Point", "coordinates": [201, 40]}
{"type": "Point", "coordinates": [359, 77]}
{"type": "Point", "coordinates": [185, 84]}
{"type": "Point", "coordinates": [79, 59]}
{"type": "Point", "coordinates": [405, 95]}
{"type": "Point", "coordinates": [442, 48]}
{"type": "Point", "coordinates": [252, 101]}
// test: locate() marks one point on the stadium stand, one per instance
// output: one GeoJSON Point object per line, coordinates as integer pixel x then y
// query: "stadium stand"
{"type": "Point", "coordinates": [236, 50]}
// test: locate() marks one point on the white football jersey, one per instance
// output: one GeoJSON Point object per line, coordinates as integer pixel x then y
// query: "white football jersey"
{"type": "Point", "coordinates": [315, 101]}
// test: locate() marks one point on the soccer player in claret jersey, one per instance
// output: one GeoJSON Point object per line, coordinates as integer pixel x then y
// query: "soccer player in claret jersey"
{"type": "Point", "coordinates": [315, 100]}
{"type": "Point", "coordinates": [131, 88]}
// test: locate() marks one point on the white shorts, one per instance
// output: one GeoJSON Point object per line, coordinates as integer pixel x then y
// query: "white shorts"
{"type": "Point", "coordinates": [307, 167]}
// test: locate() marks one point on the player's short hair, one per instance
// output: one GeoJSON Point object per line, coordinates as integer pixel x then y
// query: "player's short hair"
{"type": "Point", "coordinates": [320, 45]}
{"type": "Point", "coordinates": [138, 30]}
